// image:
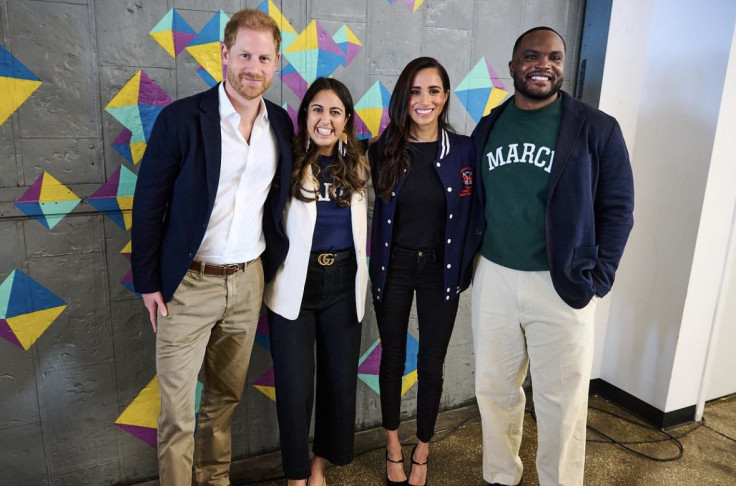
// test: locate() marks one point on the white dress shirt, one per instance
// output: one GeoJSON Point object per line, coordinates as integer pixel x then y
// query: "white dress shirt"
{"type": "Point", "coordinates": [235, 230]}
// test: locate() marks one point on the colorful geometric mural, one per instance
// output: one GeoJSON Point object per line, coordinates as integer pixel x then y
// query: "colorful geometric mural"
{"type": "Point", "coordinates": [47, 200]}
{"type": "Point", "coordinates": [288, 33]}
{"type": "Point", "coordinates": [293, 80]}
{"type": "Point", "coordinates": [17, 83]}
{"type": "Point", "coordinates": [136, 107]}
{"type": "Point", "coordinates": [266, 384]}
{"type": "Point", "coordinates": [140, 418]}
{"type": "Point", "coordinates": [314, 54]}
{"type": "Point", "coordinates": [173, 33]}
{"type": "Point", "coordinates": [27, 309]}
{"type": "Point", "coordinates": [348, 43]}
{"type": "Point", "coordinates": [481, 90]}
{"type": "Point", "coordinates": [205, 48]}
{"type": "Point", "coordinates": [127, 280]}
{"type": "Point", "coordinates": [372, 111]}
{"type": "Point", "coordinates": [369, 365]}
{"type": "Point", "coordinates": [115, 197]}
{"type": "Point", "coordinates": [412, 5]}
{"type": "Point", "coordinates": [262, 333]}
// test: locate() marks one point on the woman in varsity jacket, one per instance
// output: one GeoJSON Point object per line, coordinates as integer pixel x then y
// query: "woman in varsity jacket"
{"type": "Point", "coordinates": [423, 221]}
{"type": "Point", "coordinates": [317, 297]}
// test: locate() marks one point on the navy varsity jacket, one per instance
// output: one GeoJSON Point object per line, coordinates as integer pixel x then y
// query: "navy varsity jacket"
{"type": "Point", "coordinates": [455, 163]}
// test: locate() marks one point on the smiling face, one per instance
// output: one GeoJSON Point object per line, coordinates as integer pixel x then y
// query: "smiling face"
{"type": "Point", "coordinates": [251, 63]}
{"type": "Point", "coordinates": [326, 120]}
{"type": "Point", "coordinates": [427, 98]}
{"type": "Point", "coordinates": [537, 68]}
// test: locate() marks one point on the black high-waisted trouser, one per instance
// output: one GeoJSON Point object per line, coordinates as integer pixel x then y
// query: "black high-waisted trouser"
{"type": "Point", "coordinates": [422, 273]}
{"type": "Point", "coordinates": [328, 319]}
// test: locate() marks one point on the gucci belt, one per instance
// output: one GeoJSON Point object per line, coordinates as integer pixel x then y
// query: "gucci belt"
{"type": "Point", "coordinates": [326, 259]}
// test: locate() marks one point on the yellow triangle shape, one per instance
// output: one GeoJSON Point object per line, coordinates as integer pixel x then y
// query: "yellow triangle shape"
{"type": "Point", "coordinates": [15, 93]}
{"type": "Point", "coordinates": [29, 327]}
{"type": "Point", "coordinates": [128, 94]}
{"type": "Point", "coordinates": [408, 382]}
{"type": "Point", "coordinates": [306, 40]}
{"type": "Point", "coordinates": [145, 408]}
{"type": "Point", "coordinates": [417, 4]}
{"type": "Point", "coordinates": [269, 391]}
{"type": "Point", "coordinates": [125, 203]}
{"type": "Point", "coordinates": [352, 38]}
{"type": "Point", "coordinates": [137, 149]}
{"type": "Point", "coordinates": [53, 190]}
{"type": "Point", "coordinates": [275, 13]}
{"type": "Point", "coordinates": [127, 248]}
{"type": "Point", "coordinates": [209, 57]}
{"type": "Point", "coordinates": [166, 40]}
{"type": "Point", "coordinates": [496, 97]}
{"type": "Point", "coordinates": [372, 118]}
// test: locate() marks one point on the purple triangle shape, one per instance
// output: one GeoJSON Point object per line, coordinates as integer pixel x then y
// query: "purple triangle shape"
{"type": "Point", "coordinates": [34, 192]}
{"type": "Point", "coordinates": [150, 93]}
{"type": "Point", "coordinates": [266, 379]}
{"type": "Point", "coordinates": [109, 188]}
{"type": "Point", "coordinates": [372, 363]}
{"type": "Point", "coordinates": [7, 333]}
{"type": "Point", "coordinates": [326, 43]}
{"type": "Point", "coordinates": [181, 40]}
{"type": "Point", "coordinates": [146, 434]}
{"type": "Point", "coordinates": [123, 137]}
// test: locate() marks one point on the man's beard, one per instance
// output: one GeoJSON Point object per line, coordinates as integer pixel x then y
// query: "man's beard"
{"type": "Point", "coordinates": [521, 85]}
{"type": "Point", "coordinates": [245, 89]}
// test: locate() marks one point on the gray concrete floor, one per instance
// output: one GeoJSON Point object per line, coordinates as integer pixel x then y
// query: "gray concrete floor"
{"type": "Point", "coordinates": [709, 456]}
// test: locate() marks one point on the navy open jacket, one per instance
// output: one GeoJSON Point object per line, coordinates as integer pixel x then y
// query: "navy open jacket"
{"type": "Point", "coordinates": [590, 199]}
{"type": "Point", "coordinates": [176, 188]}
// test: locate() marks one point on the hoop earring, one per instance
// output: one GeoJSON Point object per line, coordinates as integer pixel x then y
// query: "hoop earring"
{"type": "Point", "coordinates": [342, 143]}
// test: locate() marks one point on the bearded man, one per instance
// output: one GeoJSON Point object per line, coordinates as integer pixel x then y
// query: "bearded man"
{"type": "Point", "coordinates": [206, 232]}
{"type": "Point", "coordinates": [558, 196]}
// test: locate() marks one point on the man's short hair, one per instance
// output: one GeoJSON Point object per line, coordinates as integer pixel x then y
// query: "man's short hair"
{"type": "Point", "coordinates": [541, 27]}
{"type": "Point", "coordinates": [251, 19]}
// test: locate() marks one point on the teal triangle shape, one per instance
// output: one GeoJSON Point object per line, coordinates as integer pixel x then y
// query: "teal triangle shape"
{"type": "Point", "coordinates": [5, 289]}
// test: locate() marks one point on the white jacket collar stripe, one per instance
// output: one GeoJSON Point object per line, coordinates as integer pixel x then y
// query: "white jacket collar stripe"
{"type": "Point", "coordinates": [445, 141]}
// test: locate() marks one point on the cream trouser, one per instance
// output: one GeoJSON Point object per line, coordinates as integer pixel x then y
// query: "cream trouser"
{"type": "Point", "coordinates": [519, 320]}
{"type": "Point", "coordinates": [212, 319]}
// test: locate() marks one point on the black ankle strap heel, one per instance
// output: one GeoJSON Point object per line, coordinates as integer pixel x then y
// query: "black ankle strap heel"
{"type": "Point", "coordinates": [395, 483]}
{"type": "Point", "coordinates": [415, 463]}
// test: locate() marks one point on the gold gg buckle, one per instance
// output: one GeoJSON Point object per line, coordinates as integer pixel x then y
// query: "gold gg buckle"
{"type": "Point", "coordinates": [326, 259]}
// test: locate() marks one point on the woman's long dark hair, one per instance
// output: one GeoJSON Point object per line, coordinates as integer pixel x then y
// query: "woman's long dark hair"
{"type": "Point", "coordinates": [349, 172]}
{"type": "Point", "coordinates": [393, 149]}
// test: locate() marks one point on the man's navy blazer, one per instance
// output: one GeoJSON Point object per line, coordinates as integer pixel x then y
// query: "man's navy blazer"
{"type": "Point", "coordinates": [176, 188]}
{"type": "Point", "coordinates": [590, 199]}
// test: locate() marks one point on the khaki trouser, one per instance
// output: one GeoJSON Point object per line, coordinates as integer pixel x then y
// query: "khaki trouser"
{"type": "Point", "coordinates": [519, 321]}
{"type": "Point", "coordinates": [212, 319]}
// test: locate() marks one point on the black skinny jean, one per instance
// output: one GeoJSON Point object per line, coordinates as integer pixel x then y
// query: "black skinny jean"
{"type": "Point", "coordinates": [327, 318]}
{"type": "Point", "coordinates": [422, 273]}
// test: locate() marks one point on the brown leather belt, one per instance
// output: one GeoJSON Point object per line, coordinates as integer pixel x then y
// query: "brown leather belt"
{"type": "Point", "coordinates": [214, 269]}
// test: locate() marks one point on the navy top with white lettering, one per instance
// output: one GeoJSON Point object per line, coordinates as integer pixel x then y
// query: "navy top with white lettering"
{"type": "Point", "coordinates": [333, 231]}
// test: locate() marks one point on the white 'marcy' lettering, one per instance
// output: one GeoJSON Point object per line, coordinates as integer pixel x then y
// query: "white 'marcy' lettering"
{"type": "Point", "coordinates": [542, 157]}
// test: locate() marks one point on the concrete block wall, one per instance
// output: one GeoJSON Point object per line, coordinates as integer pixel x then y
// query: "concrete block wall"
{"type": "Point", "coordinates": [60, 397]}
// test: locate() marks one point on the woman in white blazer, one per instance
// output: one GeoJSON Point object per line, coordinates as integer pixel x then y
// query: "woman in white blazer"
{"type": "Point", "coordinates": [317, 297]}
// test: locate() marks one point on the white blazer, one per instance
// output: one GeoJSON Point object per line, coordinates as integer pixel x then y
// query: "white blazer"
{"type": "Point", "coordinates": [283, 295]}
